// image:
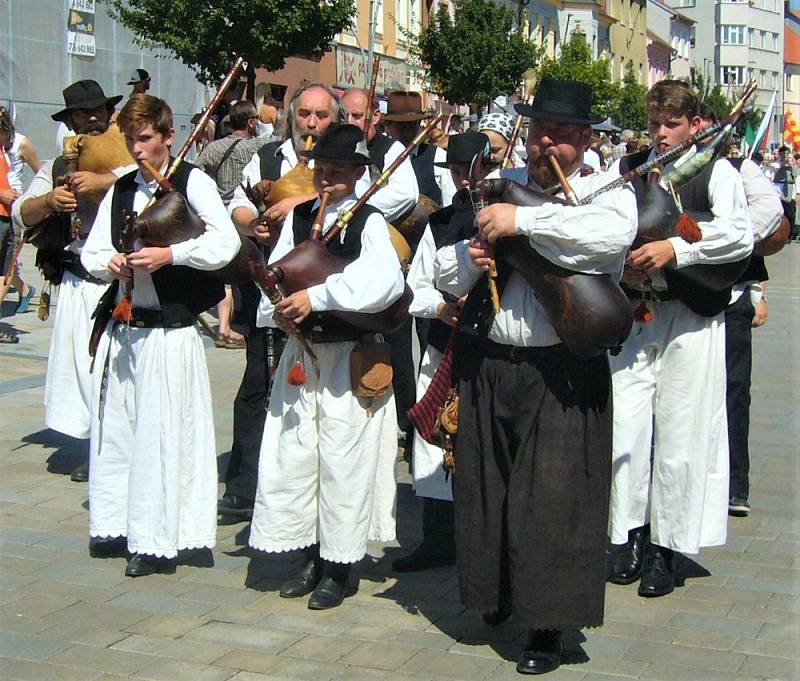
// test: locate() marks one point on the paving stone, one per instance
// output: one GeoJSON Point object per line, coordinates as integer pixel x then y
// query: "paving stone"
{"type": "Point", "coordinates": [249, 660]}
{"type": "Point", "coordinates": [780, 632]}
{"type": "Point", "coordinates": [221, 595]}
{"type": "Point", "coordinates": [306, 622]}
{"type": "Point", "coordinates": [102, 659]}
{"type": "Point", "coordinates": [99, 615]}
{"type": "Point", "coordinates": [323, 648]}
{"type": "Point", "coordinates": [728, 595]}
{"type": "Point", "coordinates": [449, 665]}
{"type": "Point", "coordinates": [752, 612]}
{"type": "Point", "coordinates": [158, 603]}
{"type": "Point", "coordinates": [669, 672]}
{"type": "Point", "coordinates": [734, 627]}
{"type": "Point", "coordinates": [699, 658]}
{"type": "Point", "coordinates": [182, 670]}
{"type": "Point", "coordinates": [422, 639]}
{"type": "Point", "coordinates": [771, 667]}
{"type": "Point", "coordinates": [705, 639]}
{"type": "Point", "coordinates": [507, 671]}
{"type": "Point", "coordinates": [179, 649]}
{"type": "Point", "coordinates": [379, 655]}
{"type": "Point", "coordinates": [372, 633]}
{"type": "Point", "coordinates": [90, 636]}
{"type": "Point", "coordinates": [83, 574]}
{"type": "Point", "coordinates": [234, 615]}
{"type": "Point", "coordinates": [25, 670]}
{"type": "Point", "coordinates": [29, 647]}
{"type": "Point", "coordinates": [165, 625]}
{"type": "Point", "coordinates": [309, 670]}
{"type": "Point", "coordinates": [241, 636]}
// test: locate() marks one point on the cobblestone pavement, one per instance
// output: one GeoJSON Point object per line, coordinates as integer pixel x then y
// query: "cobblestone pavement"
{"type": "Point", "coordinates": [64, 616]}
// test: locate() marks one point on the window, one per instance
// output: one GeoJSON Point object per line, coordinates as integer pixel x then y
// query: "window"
{"type": "Point", "coordinates": [789, 82]}
{"type": "Point", "coordinates": [774, 42]}
{"type": "Point", "coordinates": [732, 75]}
{"type": "Point", "coordinates": [733, 34]}
{"type": "Point", "coordinates": [774, 80]}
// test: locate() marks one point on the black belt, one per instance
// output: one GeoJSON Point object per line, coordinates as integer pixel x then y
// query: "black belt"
{"type": "Point", "coordinates": [509, 353]}
{"type": "Point", "coordinates": [74, 266]}
{"type": "Point", "coordinates": [658, 296]}
{"type": "Point", "coordinates": [144, 318]}
{"type": "Point", "coordinates": [322, 337]}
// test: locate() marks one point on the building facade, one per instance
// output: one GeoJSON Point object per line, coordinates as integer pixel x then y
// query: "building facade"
{"type": "Point", "coordinates": [671, 31]}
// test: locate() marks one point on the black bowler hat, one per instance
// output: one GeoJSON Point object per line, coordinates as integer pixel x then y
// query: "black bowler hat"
{"type": "Point", "coordinates": [463, 148]}
{"type": "Point", "coordinates": [563, 101]}
{"type": "Point", "coordinates": [340, 144]}
{"type": "Point", "coordinates": [137, 76]}
{"type": "Point", "coordinates": [84, 94]}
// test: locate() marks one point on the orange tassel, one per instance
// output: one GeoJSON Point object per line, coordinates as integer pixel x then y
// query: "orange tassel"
{"type": "Point", "coordinates": [688, 229]}
{"type": "Point", "coordinates": [123, 312]}
{"type": "Point", "coordinates": [642, 314]}
{"type": "Point", "coordinates": [297, 375]}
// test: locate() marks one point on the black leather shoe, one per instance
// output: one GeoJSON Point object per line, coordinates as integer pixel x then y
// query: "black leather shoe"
{"type": "Point", "coordinates": [81, 473]}
{"type": "Point", "coordinates": [203, 557]}
{"type": "Point", "coordinates": [141, 565]}
{"type": "Point", "coordinates": [425, 557]}
{"type": "Point", "coordinates": [332, 587]}
{"type": "Point", "coordinates": [303, 583]}
{"type": "Point", "coordinates": [232, 504]}
{"type": "Point", "coordinates": [627, 565]}
{"type": "Point", "coordinates": [658, 572]}
{"type": "Point", "coordinates": [108, 548]}
{"type": "Point", "coordinates": [543, 652]}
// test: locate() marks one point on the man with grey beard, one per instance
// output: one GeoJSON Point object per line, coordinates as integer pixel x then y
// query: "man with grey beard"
{"type": "Point", "coordinates": [313, 107]}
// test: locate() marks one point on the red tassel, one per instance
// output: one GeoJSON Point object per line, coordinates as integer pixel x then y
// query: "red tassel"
{"type": "Point", "coordinates": [123, 312]}
{"type": "Point", "coordinates": [297, 375]}
{"type": "Point", "coordinates": [642, 314]}
{"type": "Point", "coordinates": [688, 229]}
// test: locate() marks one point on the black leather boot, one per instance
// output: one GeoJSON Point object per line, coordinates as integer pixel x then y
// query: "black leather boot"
{"type": "Point", "coordinates": [627, 565]}
{"type": "Point", "coordinates": [116, 547]}
{"type": "Point", "coordinates": [542, 653]}
{"type": "Point", "coordinates": [307, 579]}
{"type": "Point", "coordinates": [658, 573]}
{"type": "Point", "coordinates": [142, 564]}
{"type": "Point", "coordinates": [331, 589]}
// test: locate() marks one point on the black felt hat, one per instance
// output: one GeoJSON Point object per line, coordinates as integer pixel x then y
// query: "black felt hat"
{"type": "Point", "coordinates": [84, 94]}
{"type": "Point", "coordinates": [564, 101]}
{"type": "Point", "coordinates": [462, 148]}
{"type": "Point", "coordinates": [340, 144]}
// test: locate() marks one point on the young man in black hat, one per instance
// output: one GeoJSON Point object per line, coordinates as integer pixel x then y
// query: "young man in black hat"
{"type": "Point", "coordinates": [68, 385]}
{"type": "Point", "coordinates": [533, 451]}
{"type": "Point", "coordinates": [446, 226]}
{"type": "Point", "coordinates": [317, 469]}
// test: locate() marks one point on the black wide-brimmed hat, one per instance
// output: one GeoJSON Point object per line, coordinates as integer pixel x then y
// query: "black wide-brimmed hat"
{"type": "Point", "coordinates": [340, 143]}
{"type": "Point", "coordinates": [137, 76]}
{"type": "Point", "coordinates": [84, 94]}
{"type": "Point", "coordinates": [564, 101]}
{"type": "Point", "coordinates": [463, 148]}
{"type": "Point", "coordinates": [404, 107]}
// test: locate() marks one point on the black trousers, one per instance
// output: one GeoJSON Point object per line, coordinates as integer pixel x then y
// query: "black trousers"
{"type": "Point", "coordinates": [438, 524]}
{"type": "Point", "coordinates": [249, 415]}
{"type": "Point", "coordinates": [404, 381]}
{"type": "Point", "coordinates": [532, 484]}
{"type": "Point", "coordinates": [738, 364]}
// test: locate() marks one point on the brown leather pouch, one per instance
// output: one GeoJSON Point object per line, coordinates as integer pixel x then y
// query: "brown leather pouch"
{"type": "Point", "coordinates": [370, 369]}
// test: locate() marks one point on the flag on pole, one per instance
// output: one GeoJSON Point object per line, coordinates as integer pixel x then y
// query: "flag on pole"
{"type": "Point", "coordinates": [761, 134]}
{"type": "Point", "coordinates": [791, 131]}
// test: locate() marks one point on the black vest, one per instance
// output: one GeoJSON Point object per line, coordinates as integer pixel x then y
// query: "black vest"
{"type": "Point", "coordinates": [422, 162]}
{"type": "Point", "coordinates": [324, 324]}
{"type": "Point", "coordinates": [686, 283]}
{"type": "Point", "coordinates": [270, 159]}
{"type": "Point", "coordinates": [378, 148]}
{"type": "Point", "coordinates": [183, 292]}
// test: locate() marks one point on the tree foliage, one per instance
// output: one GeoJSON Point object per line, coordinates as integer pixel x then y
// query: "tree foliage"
{"type": "Point", "coordinates": [476, 56]}
{"type": "Point", "coordinates": [208, 35]}
{"type": "Point", "coordinates": [575, 63]}
{"type": "Point", "coordinates": [631, 113]}
{"type": "Point", "coordinates": [721, 105]}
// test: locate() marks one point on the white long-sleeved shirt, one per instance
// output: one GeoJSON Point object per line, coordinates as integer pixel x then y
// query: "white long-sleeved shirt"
{"type": "Point", "coordinates": [398, 196]}
{"type": "Point", "coordinates": [593, 239]}
{"type": "Point", "coordinates": [214, 249]}
{"type": "Point", "coordinates": [370, 283]}
{"type": "Point", "coordinates": [420, 280]}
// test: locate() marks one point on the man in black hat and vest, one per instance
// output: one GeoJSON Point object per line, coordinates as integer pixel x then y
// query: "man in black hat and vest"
{"type": "Point", "coordinates": [320, 454]}
{"type": "Point", "coordinates": [670, 486]}
{"type": "Point", "coordinates": [533, 449]}
{"type": "Point", "coordinates": [446, 226]}
{"type": "Point", "coordinates": [87, 111]}
{"type": "Point", "coordinates": [153, 483]}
